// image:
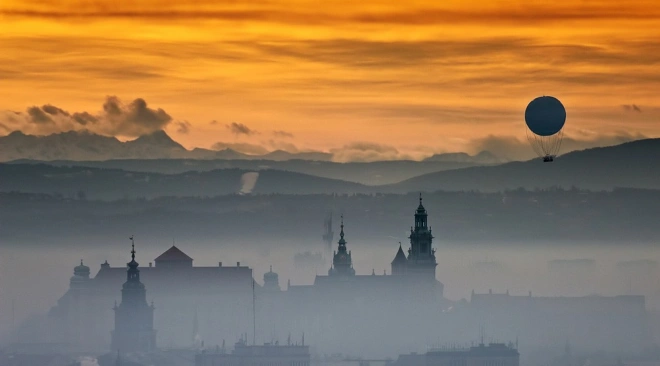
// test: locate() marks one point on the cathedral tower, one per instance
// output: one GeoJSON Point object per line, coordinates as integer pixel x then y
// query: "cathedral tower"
{"type": "Point", "coordinates": [134, 318]}
{"type": "Point", "coordinates": [421, 255]}
{"type": "Point", "coordinates": [342, 263]}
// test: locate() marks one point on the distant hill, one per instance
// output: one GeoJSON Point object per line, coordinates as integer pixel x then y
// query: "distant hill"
{"type": "Point", "coordinates": [110, 184]}
{"type": "Point", "coordinates": [371, 173]}
{"type": "Point", "coordinates": [85, 145]}
{"type": "Point", "coordinates": [482, 158]}
{"type": "Point", "coordinates": [280, 155]}
{"type": "Point", "coordinates": [634, 164]}
{"type": "Point", "coordinates": [623, 217]}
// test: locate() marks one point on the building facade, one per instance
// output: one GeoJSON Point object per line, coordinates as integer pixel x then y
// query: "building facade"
{"type": "Point", "coordinates": [493, 354]}
{"type": "Point", "coordinates": [256, 355]}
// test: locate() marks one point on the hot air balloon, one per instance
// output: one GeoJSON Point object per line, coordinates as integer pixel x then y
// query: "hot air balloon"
{"type": "Point", "coordinates": [545, 117]}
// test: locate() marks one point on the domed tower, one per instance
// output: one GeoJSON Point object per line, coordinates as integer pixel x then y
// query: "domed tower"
{"type": "Point", "coordinates": [342, 263]}
{"type": "Point", "coordinates": [80, 277]}
{"type": "Point", "coordinates": [421, 255]}
{"type": "Point", "coordinates": [134, 318]}
{"type": "Point", "coordinates": [271, 281]}
{"type": "Point", "coordinates": [76, 307]}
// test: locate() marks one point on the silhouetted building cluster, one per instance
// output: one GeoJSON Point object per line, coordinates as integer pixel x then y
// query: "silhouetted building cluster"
{"type": "Point", "coordinates": [339, 311]}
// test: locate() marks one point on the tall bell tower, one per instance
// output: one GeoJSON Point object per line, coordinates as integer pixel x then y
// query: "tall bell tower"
{"type": "Point", "coordinates": [421, 255]}
{"type": "Point", "coordinates": [134, 318]}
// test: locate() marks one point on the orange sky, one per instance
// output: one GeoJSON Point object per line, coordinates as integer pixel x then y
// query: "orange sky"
{"type": "Point", "coordinates": [404, 79]}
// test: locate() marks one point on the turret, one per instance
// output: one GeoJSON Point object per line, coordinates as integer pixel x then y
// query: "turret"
{"type": "Point", "coordinates": [342, 263]}
{"type": "Point", "coordinates": [399, 262]}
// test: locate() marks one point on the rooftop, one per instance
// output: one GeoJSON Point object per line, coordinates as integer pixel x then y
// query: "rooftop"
{"type": "Point", "coordinates": [173, 254]}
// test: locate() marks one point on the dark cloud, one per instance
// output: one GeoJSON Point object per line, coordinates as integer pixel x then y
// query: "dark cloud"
{"type": "Point", "coordinates": [38, 116]}
{"type": "Point", "coordinates": [243, 147]}
{"type": "Point", "coordinates": [112, 106]}
{"type": "Point", "coordinates": [183, 127]}
{"type": "Point", "coordinates": [632, 108]}
{"type": "Point", "coordinates": [214, 122]}
{"type": "Point", "coordinates": [240, 129]}
{"type": "Point", "coordinates": [133, 119]}
{"type": "Point", "coordinates": [366, 151]}
{"type": "Point", "coordinates": [84, 118]}
{"type": "Point", "coordinates": [283, 134]}
{"type": "Point", "coordinates": [511, 148]}
{"type": "Point", "coordinates": [53, 110]}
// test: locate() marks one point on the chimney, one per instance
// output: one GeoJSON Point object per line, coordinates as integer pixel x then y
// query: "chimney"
{"type": "Point", "coordinates": [219, 264]}
{"type": "Point", "coordinates": [150, 264]}
{"type": "Point", "coordinates": [238, 264]}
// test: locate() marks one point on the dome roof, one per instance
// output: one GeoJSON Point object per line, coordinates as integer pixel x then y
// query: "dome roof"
{"type": "Point", "coordinates": [270, 275]}
{"type": "Point", "coordinates": [81, 270]}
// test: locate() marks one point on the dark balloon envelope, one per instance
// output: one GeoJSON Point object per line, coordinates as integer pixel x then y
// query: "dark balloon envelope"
{"type": "Point", "coordinates": [545, 116]}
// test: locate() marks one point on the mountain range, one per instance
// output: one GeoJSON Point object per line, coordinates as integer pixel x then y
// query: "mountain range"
{"type": "Point", "coordinates": [630, 165]}
{"type": "Point", "coordinates": [371, 173]}
{"type": "Point", "coordinates": [87, 146]}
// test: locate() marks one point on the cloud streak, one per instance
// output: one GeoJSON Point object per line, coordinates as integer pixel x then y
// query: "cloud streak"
{"type": "Point", "coordinates": [632, 108]}
{"type": "Point", "coordinates": [308, 12]}
{"type": "Point", "coordinates": [366, 152]}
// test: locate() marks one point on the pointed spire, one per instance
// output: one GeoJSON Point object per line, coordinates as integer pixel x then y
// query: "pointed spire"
{"type": "Point", "coordinates": [133, 274]}
{"type": "Point", "coordinates": [81, 262]}
{"type": "Point", "coordinates": [132, 247]}
{"type": "Point", "coordinates": [420, 208]}
{"type": "Point", "coordinates": [342, 241]}
{"type": "Point", "coordinates": [271, 268]}
{"type": "Point", "coordinates": [342, 227]}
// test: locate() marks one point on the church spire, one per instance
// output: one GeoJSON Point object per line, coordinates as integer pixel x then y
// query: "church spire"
{"type": "Point", "coordinates": [341, 262]}
{"type": "Point", "coordinates": [132, 248]}
{"type": "Point", "coordinates": [133, 273]}
{"type": "Point", "coordinates": [342, 241]}
{"type": "Point", "coordinates": [133, 317]}
{"type": "Point", "coordinates": [420, 209]}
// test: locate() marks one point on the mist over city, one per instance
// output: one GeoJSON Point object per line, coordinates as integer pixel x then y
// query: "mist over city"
{"type": "Point", "coordinates": [295, 183]}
